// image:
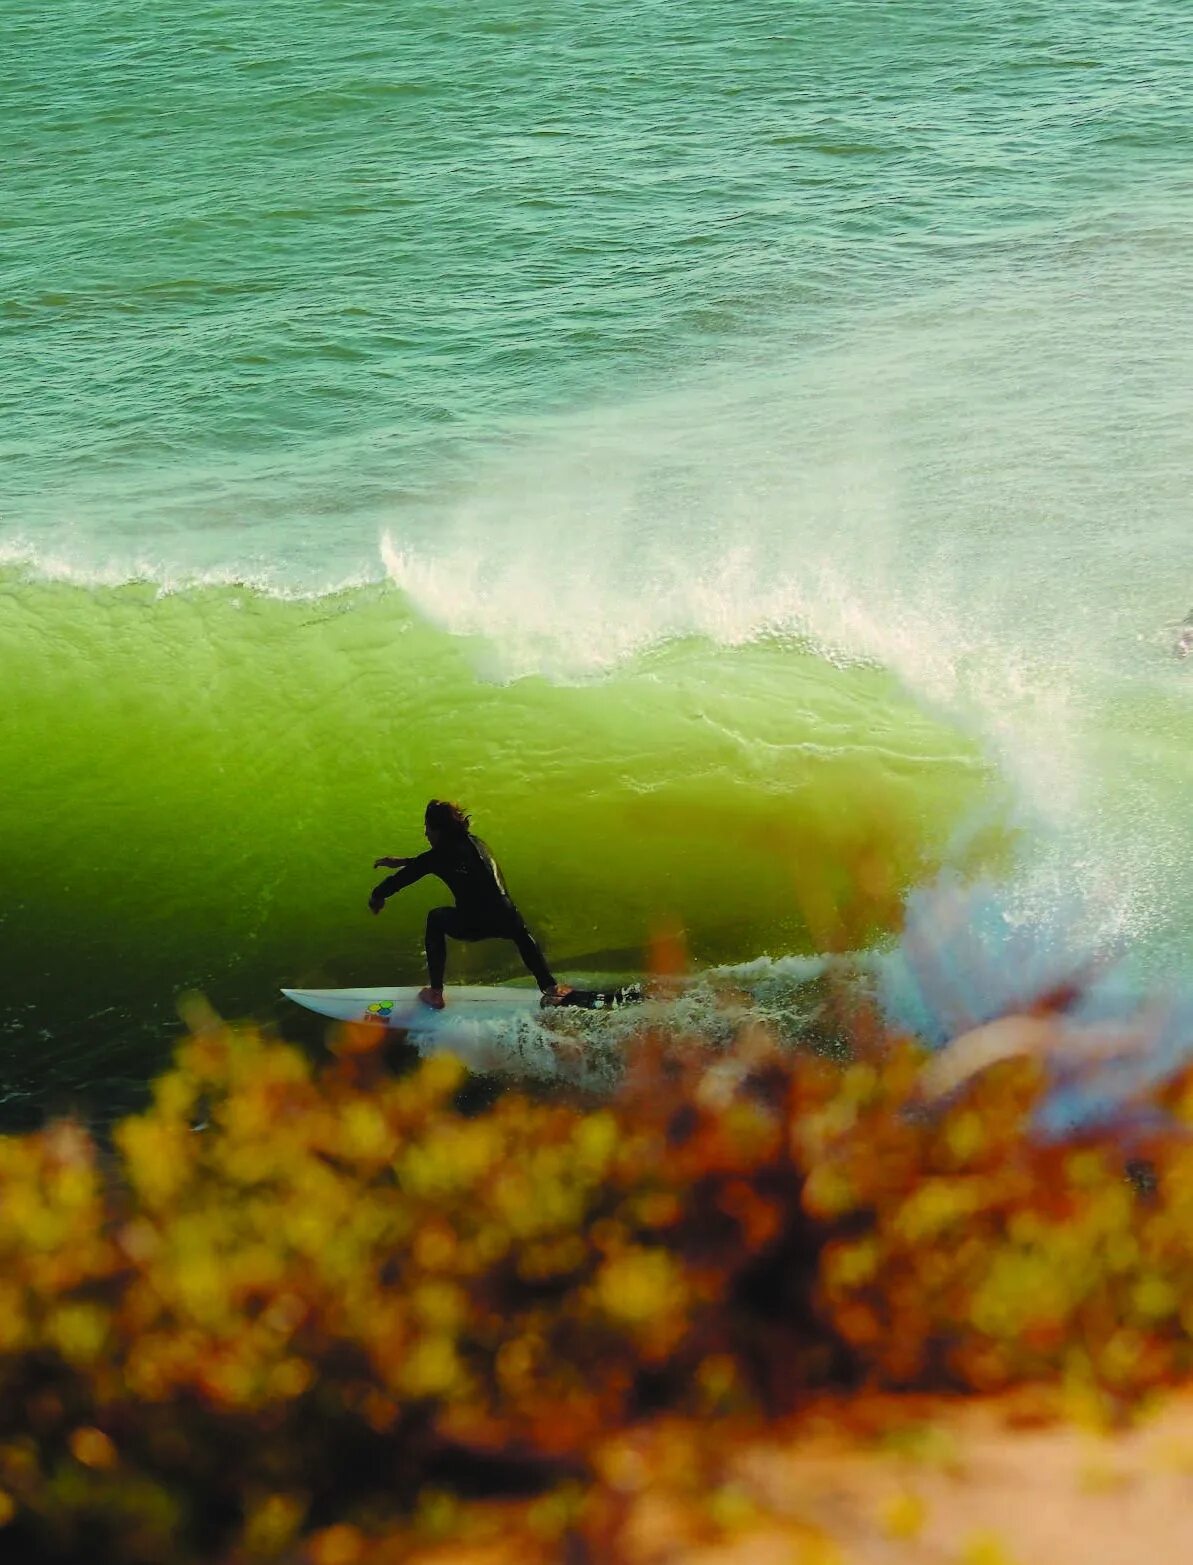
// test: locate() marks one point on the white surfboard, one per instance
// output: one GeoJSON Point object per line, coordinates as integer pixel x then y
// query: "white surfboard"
{"type": "Point", "coordinates": [402, 1009]}
{"type": "Point", "coordinates": [467, 1005]}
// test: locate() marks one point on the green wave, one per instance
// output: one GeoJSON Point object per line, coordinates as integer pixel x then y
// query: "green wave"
{"type": "Point", "coordinates": [197, 784]}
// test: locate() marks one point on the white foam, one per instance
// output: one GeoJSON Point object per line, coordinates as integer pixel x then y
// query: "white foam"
{"type": "Point", "coordinates": [576, 618]}
{"type": "Point", "coordinates": [38, 563]}
{"type": "Point", "coordinates": [591, 1049]}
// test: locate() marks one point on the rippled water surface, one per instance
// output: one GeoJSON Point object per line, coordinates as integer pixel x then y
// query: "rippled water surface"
{"type": "Point", "coordinates": [684, 428]}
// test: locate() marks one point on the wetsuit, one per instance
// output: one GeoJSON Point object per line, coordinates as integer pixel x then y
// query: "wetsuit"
{"type": "Point", "coordinates": [484, 909]}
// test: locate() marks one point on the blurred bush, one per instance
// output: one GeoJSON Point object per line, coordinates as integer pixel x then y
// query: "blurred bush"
{"type": "Point", "coordinates": [327, 1316]}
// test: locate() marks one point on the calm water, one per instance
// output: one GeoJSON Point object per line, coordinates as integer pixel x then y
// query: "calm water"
{"type": "Point", "coordinates": [720, 441]}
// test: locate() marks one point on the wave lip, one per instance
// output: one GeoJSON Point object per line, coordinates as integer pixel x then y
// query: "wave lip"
{"type": "Point", "coordinates": [583, 616]}
{"type": "Point", "coordinates": [31, 563]}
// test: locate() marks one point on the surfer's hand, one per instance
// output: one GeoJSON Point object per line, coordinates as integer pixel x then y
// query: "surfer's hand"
{"type": "Point", "coordinates": [376, 902]}
{"type": "Point", "coordinates": [389, 863]}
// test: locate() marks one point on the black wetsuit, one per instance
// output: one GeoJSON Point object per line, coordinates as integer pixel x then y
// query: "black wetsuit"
{"type": "Point", "coordinates": [484, 909]}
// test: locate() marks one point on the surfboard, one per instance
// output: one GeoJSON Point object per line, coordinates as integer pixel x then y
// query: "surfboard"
{"type": "Point", "coordinates": [467, 1004]}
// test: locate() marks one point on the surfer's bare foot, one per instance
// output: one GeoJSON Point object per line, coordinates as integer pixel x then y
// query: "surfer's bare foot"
{"type": "Point", "coordinates": [555, 996]}
{"type": "Point", "coordinates": [432, 997]}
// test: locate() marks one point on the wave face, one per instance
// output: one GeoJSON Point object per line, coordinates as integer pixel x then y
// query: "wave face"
{"type": "Point", "coordinates": [197, 785]}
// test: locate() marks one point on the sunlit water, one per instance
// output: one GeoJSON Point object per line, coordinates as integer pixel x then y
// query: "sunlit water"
{"type": "Point", "coordinates": [724, 444]}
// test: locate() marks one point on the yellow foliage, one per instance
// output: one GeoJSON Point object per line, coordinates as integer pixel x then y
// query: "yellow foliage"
{"type": "Point", "coordinates": [340, 1290]}
{"type": "Point", "coordinates": [904, 1514]}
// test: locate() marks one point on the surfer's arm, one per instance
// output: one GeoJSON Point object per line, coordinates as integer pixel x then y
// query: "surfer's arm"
{"type": "Point", "coordinates": [411, 870]}
{"type": "Point", "coordinates": [389, 863]}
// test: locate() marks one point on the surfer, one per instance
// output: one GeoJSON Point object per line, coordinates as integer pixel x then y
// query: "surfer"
{"type": "Point", "coordinates": [484, 909]}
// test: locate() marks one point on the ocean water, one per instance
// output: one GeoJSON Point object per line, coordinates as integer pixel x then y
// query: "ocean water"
{"type": "Point", "coordinates": [741, 450]}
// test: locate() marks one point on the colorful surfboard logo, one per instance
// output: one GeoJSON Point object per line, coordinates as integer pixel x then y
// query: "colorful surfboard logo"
{"type": "Point", "coordinates": [379, 1011]}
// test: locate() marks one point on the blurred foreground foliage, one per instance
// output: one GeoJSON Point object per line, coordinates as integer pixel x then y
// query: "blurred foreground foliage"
{"type": "Point", "coordinates": [327, 1315]}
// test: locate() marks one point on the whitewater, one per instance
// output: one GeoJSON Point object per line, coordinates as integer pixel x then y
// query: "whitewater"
{"type": "Point", "coordinates": [744, 456]}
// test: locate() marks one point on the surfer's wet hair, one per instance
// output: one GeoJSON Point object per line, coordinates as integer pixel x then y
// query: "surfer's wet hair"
{"type": "Point", "coordinates": [442, 815]}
